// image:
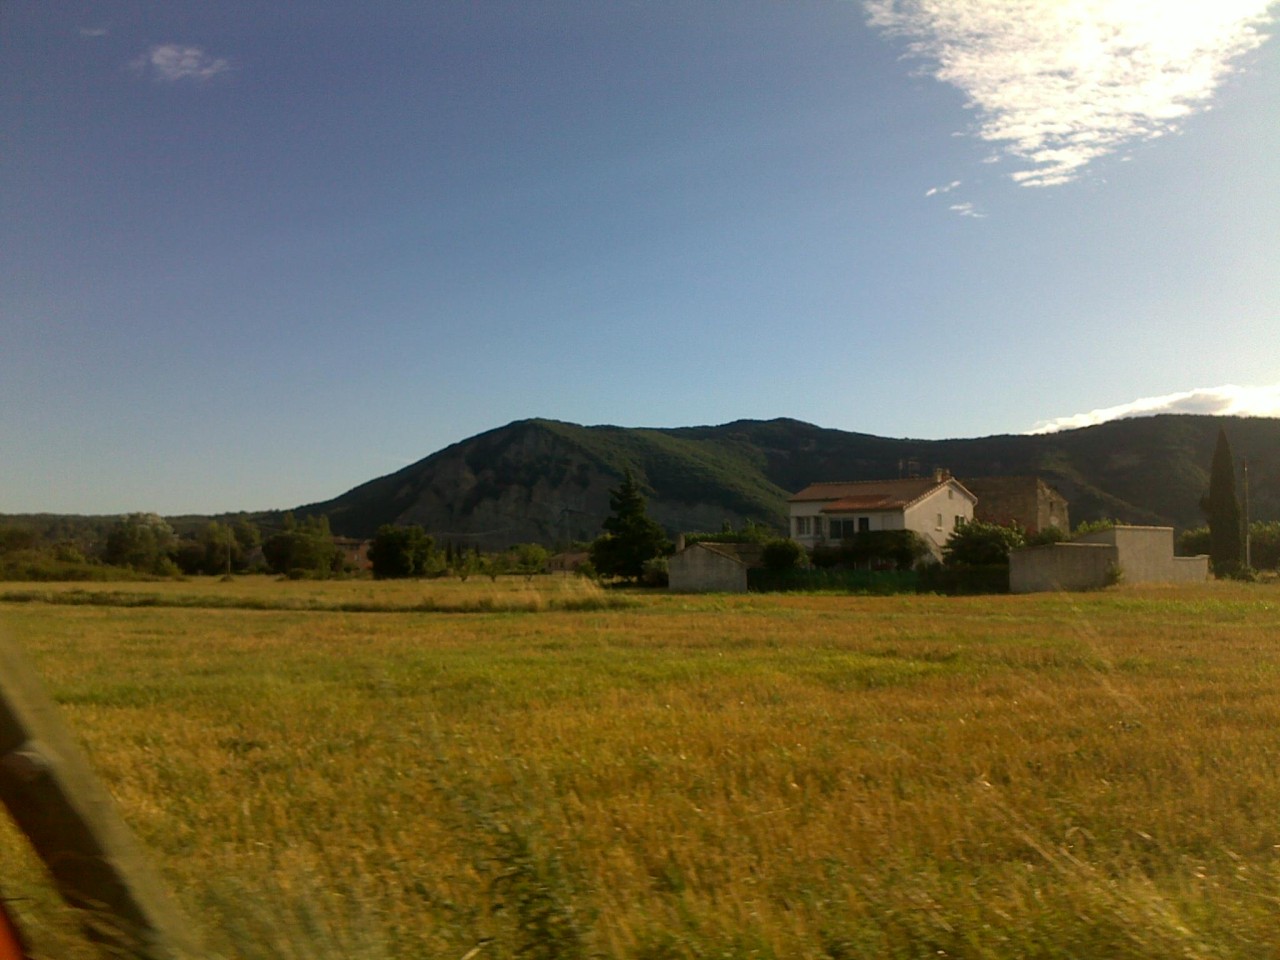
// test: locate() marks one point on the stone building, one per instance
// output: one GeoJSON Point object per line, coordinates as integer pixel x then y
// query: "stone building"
{"type": "Point", "coordinates": [1027, 501]}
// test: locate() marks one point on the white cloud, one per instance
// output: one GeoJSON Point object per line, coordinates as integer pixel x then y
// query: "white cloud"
{"type": "Point", "coordinates": [1060, 83]}
{"type": "Point", "coordinates": [966, 210]}
{"type": "Point", "coordinates": [1228, 400]}
{"type": "Point", "coordinates": [93, 32]}
{"type": "Point", "coordinates": [171, 62]}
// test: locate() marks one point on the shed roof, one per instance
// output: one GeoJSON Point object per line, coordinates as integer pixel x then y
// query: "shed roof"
{"type": "Point", "coordinates": [746, 554]}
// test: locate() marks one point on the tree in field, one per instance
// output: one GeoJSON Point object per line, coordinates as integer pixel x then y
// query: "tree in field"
{"type": "Point", "coordinates": [495, 565]}
{"type": "Point", "coordinates": [305, 548]}
{"type": "Point", "coordinates": [530, 559]}
{"type": "Point", "coordinates": [631, 537]}
{"type": "Point", "coordinates": [466, 563]}
{"type": "Point", "coordinates": [142, 541]}
{"type": "Point", "coordinates": [403, 552]}
{"type": "Point", "coordinates": [1222, 508]}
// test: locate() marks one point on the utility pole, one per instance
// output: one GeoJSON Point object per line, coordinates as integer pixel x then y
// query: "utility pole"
{"type": "Point", "coordinates": [1248, 559]}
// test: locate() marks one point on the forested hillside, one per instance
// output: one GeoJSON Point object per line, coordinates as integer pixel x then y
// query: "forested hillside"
{"type": "Point", "coordinates": [548, 481]}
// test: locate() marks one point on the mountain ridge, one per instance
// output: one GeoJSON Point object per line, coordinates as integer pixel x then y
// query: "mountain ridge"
{"type": "Point", "coordinates": [549, 480]}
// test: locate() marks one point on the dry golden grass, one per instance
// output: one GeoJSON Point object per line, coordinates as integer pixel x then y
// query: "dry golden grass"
{"type": "Point", "coordinates": [758, 776]}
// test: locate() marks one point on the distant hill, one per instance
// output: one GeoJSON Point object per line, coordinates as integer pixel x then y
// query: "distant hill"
{"type": "Point", "coordinates": [547, 481]}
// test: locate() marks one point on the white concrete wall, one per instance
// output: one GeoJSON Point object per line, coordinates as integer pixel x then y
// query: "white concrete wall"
{"type": "Point", "coordinates": [1060, 566]}
{"type": "Point", "coordinates": [697, 570]}
{"type": "Point", "coordinates": [1190, 569]}
{"type": "Point", "coordinates": [1143, 555]}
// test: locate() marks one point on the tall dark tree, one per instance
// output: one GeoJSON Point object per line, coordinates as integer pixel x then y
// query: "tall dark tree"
{"type": "Point", "coordinates": [402, 552]}
{"type": "Point", "coordinates": [1222, 507]}
{"type": "Point", "coordinates": [631, 537]}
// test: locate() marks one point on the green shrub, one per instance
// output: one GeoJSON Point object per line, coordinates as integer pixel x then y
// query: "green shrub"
{"type": "Point", "coordinates": [979, 544]}
{"type": "Point", "coordinates": [782, 554]}
{"type": "Point", "coordinates": [655, 573]}
{"type": "Point", "coordinates": [1193, 542]}
{"type": "Point", "coordinates": [1093, 526]}
{"type": "Point", "coordinates": [1048, 535]}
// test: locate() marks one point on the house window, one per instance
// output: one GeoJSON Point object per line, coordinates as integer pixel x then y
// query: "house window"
{"type": "Point", "coordinates": [939, 524]}
{"type": "Point", "coordinates": [841, 529]}
{"type": "Point", "coordinates": [803, 526]}
{"type": "Point", "coordinates": [864, 524]}
{"type": "Point", "coordinates": [959, 523]}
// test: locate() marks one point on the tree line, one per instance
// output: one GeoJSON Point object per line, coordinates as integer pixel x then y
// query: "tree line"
{"type": "Point", "coordinates": [632, 547]}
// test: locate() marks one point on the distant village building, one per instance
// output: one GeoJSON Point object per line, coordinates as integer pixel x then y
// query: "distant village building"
{"type": "Point", "coordinates": [1131, 554]}
{"type": "Point", "coordinates": [355, 553]}
{"type": "Point", "coordinates": [707, 566]}
{"type": "Point", "coordinates": [825, 513]}
{"type": "Point", "coordinates": [568, 561]}
{"type": "Point", "coordinates": [1027, 501]}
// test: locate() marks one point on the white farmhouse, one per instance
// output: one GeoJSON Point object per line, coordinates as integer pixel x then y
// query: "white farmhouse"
{"type": "Point", "coordinates": [826, 513]}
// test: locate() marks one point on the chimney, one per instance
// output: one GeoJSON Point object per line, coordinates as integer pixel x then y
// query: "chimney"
{"type": "Point", "coordinates": [941, 474]}
{"type": "Point", "coordinates": [680, 543]}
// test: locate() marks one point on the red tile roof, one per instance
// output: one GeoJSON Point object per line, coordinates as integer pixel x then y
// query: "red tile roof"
{"type": "Point", "coordinates": [869, 495]}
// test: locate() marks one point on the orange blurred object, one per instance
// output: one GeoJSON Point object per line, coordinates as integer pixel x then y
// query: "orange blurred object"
{"type": "Point", "coordinates": [11, 947]}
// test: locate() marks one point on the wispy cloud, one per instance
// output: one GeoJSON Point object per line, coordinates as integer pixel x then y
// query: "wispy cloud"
{"type": "Point", "coordinates": [1060, 83]}
{"type": "Point", "coordinates": [966, 209]}
{"type": "Point", "coordinates": [172, 62]}
{"type": "Point", "coordinates": [93, 32]}
{"type": "Point", "coordinates": [946, 188]}
{"type": "Point", "coordinates": [1227, 400]}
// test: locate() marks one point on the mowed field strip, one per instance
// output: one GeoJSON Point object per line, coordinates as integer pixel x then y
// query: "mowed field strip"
{"type": "Point", "coordinates": [326, 769]}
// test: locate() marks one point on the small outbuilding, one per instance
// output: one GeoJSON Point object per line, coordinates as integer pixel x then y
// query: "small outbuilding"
{"type": "Point", "coordinates": [1134, 554]}
{"type": "Point", "coordinates": [709, 567]}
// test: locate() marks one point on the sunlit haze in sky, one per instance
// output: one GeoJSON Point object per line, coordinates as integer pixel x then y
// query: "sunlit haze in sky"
{"type": "Point", "coordinates": [255, 254]}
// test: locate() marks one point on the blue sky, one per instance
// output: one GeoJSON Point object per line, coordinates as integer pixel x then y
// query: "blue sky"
{"type": "Point", "coordinates": [255, 254]}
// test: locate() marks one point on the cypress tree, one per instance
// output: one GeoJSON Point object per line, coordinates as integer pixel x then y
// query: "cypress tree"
{"type": "Point", "coordinates": [1222, 508]}
{"type": "Point", "coordinates": [631, 537]}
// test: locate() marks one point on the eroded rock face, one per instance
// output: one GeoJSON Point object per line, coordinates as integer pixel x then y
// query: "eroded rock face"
{"type": "Point", "coordinates": [537, 488]}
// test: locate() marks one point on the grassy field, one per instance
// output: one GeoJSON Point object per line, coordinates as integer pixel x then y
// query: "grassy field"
{"type": "Point", "coordinates": [544, 770]}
